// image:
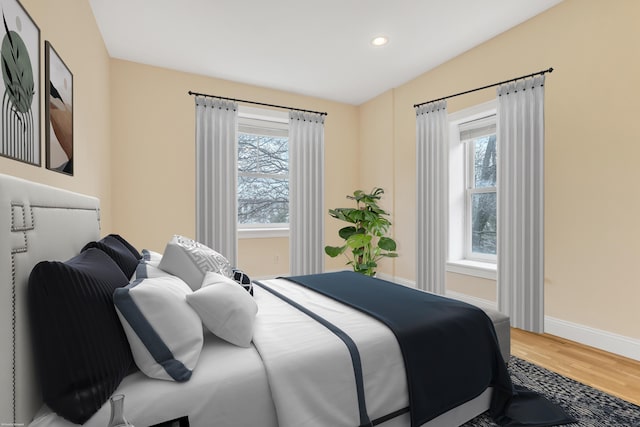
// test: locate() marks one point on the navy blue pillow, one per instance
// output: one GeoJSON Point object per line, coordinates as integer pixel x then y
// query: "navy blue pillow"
{"type": "Point", "coordinates": [125, 255]}
{"type": "Point", "coordinates": [133, 250]}
{"type": "Point", "coordinates": [80, 349]}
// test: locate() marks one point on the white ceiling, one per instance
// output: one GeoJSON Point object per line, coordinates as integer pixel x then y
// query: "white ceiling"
{"type": "Point", "coordinates": [320, 48]}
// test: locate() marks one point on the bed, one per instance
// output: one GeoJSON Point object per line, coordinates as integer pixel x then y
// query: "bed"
{"type": "Point", "coordinates": [231, 385]}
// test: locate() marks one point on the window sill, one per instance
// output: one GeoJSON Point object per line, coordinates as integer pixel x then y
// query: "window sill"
{"type": "Point", "coordinates": [486, 270]}
{"type": "Point", "coordinates": [262, 233]}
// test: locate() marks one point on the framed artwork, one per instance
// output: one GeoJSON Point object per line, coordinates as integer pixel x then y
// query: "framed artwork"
{"type": "Point", "coordinates": [58, 112]}
{"type": "Point", "coordinates": [20, 86]}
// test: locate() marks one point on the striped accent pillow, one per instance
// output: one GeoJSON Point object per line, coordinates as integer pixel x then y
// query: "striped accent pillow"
{"type": "Point", "coordinates": [80, 350]}
{"type": "Point", "coordinates": [125, 255]}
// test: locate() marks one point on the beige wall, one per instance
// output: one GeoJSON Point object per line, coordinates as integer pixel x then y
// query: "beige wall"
{"type": "Point", "coordinates": [264, 257]}
{"type": "Point", "coordinates": [377, 167]}
{"type": "Point", "coordinates": [153, 149]}
{"type": "Point", "coordinates": [476, 287]}
{"type": "Point", "coordinates": [71, 28]}
{"type": "Point", "coordinates": [591, 174]}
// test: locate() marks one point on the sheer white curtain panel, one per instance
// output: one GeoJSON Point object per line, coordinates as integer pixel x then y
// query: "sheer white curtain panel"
{"type": "Point", "coordinates": [520, 125]}
{"type": "Point", "coordinates": [216, 175]}
{"type": "Point", "coordinates": [306, 182]}
{"type": "Point", "coordinates": [432, 198]}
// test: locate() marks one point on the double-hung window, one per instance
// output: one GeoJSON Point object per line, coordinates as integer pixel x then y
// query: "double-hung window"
{"type": "Point", "coordinates": [479, 138]}
{"type": "Point", "coordinates": [263, 173]}
{"type": "Point", "coordinates": [472, 191]}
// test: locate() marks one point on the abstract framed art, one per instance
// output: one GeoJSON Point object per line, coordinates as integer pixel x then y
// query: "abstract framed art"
{"type": "Point", "coordinates": [58, 112]}
{"type": "Point", "coordinates": [20, 86]}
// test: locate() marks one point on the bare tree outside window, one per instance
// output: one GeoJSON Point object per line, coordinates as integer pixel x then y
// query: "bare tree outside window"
{"type": "Point", "coordinates": [483, 200]}
{"type": "Point", "coordinates": [263, 179]}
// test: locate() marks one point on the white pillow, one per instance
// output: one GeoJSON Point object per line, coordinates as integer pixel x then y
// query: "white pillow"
{"type": "Point", "coordinates": [147, 269]}
{"type": "Point", "coordinates": [164, 333]}
{"type": "Point", "coordinates": [212, 278]}
{"type": "Point", "coordinates": [152, 258]}
{"type": "Point", "coordinates": [191, 260]}
{"type": "Point", "coordinates": [148, 266]}
{"type": "Point", "coordinates": [226, 309]}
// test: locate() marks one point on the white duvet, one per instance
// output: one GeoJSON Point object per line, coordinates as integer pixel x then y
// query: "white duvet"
{"type": "Point", "coordinates": [299, 374]}
{"type": "Point", "coordinates": [309, 368]}
{"type": "Point", "coordinates": [228, 388]}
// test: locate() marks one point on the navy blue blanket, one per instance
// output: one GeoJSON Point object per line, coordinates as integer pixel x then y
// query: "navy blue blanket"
{"type": "Point", "coordinates": [450, 348]}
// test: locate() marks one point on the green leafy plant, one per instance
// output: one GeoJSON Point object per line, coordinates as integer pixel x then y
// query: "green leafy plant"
{"type": "Point", "coordinates": [365, 242]}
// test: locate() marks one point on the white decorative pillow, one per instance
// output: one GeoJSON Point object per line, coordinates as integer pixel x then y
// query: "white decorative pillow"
{"type": "Point", "coordinates": [191, 260]}
{"type": "Point", "coordinates": [152, 258]}
{"type": "Point", "coordinates": [226, 309]}
{"type": "Point", "coordinates": [148, 266]}
{"type": "Point", "coordinates": [212, 278]}
{"type": "Point", "coordinates": [164, 333]}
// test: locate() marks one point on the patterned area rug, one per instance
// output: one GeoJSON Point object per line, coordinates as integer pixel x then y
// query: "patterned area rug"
{"type": "Point", "coordinates": [589, 406]}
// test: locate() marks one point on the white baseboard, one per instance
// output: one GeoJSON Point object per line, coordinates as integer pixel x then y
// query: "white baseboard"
{"type": "Point", "coordinates": [603, 340]}
{"type": "Point", "coordinates": [607, 341]}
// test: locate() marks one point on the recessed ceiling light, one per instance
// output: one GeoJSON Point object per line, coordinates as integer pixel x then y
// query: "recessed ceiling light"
{"type": "Point", "coordinates": [379, 41]}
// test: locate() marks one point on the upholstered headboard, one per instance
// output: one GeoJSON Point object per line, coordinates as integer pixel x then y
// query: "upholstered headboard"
{"type": "Point", "coordinates": [37, 223]}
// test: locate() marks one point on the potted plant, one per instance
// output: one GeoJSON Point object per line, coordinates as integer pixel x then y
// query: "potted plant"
{"type": "Point", "coordinates": [365, 242]}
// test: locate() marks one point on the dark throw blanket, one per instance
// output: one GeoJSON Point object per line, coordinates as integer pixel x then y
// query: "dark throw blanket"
{"type": "Point", "coordinates": [450, 349]}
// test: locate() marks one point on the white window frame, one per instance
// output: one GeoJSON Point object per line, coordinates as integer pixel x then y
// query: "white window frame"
{"type": "Point", "coordinates": [277, 121]}
{"type": "Point", "coordinates": [458, 260]}
{"type": "Point", "coordinates": [471, 190]}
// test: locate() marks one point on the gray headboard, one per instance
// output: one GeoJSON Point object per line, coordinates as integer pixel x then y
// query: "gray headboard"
{"type": "Point", "coordinates": [37, 223]}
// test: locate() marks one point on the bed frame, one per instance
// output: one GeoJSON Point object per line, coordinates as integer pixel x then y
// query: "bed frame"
{"type": "Point", "coordinates": [38, 222]}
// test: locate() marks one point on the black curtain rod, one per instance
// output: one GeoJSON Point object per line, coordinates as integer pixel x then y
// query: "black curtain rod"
{"type": "Point", "coordinates": [549, 70]}
{"type": "Point", "coordinates": [257, 103]}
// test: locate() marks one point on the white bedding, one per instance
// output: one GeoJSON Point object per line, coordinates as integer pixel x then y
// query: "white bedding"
{"type": "Point", "coordinates": [323, 393]}
{"type": "Point", "coordinates": [299, 374]}
{"type": "Point", "coordinates": [311, 376]}
{"type": "Point", "coordinates": [228, 388]}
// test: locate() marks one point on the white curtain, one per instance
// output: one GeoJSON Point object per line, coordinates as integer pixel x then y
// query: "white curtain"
{"type": "Point", "coordinates": [521, 202]}
{"type": "Point", "coordinates": [306, 192]}
{"type": "Point", "coordinates": [216, 175]}
{"type": "Point", "coordinates": [432, 174]}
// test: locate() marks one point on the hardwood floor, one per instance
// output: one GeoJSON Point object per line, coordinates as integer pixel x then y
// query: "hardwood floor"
{"type": "Point", "coordinates": [608, 372]}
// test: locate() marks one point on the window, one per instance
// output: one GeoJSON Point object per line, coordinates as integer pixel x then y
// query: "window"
{"type": "Point", "coordinates": [263, 173]}
{"type": "Point", "coordinates": [479, 138]}
{"type": "Point", "coordinates": [472, 191]}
